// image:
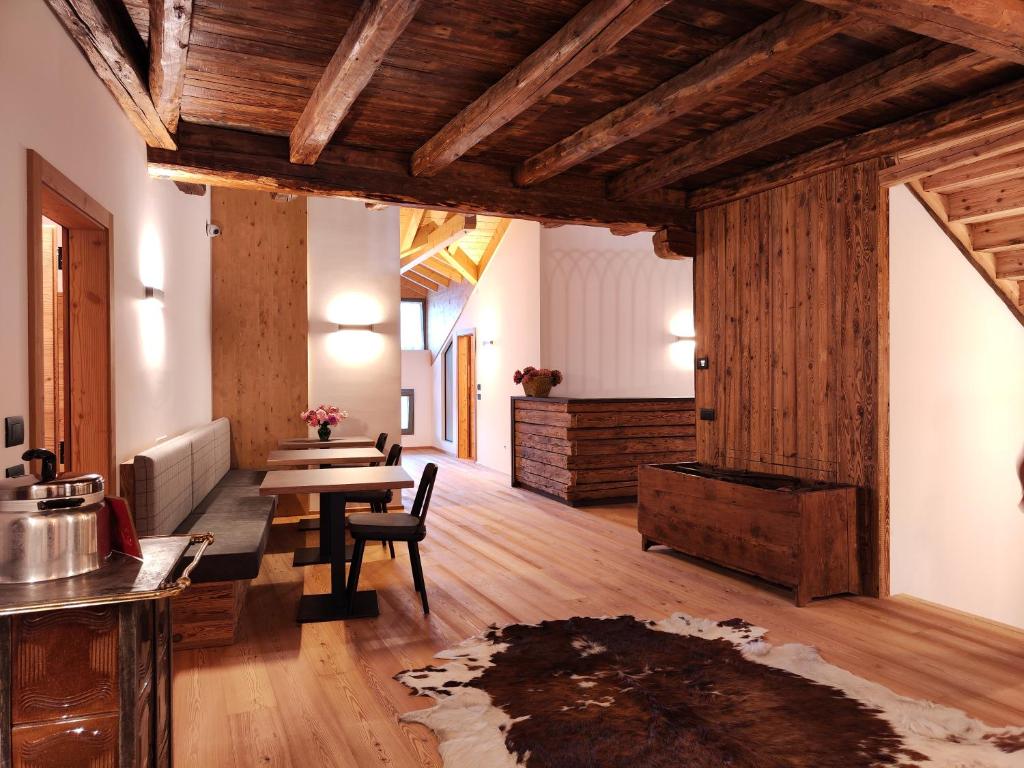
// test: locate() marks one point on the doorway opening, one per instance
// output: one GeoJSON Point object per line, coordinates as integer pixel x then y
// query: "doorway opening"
{"type": "Point", "coordinates": [465, 386]}
{"type": "Point", "coordinates": [69, 278]}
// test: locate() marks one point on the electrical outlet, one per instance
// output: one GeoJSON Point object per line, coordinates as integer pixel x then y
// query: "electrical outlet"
{"type": "Point", "coordinates": [707, 414]}
{"type": "Point", "coordinates": [703, 363]}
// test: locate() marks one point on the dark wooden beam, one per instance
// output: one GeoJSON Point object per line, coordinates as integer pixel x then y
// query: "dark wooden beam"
{"type": "Point", "coordinates": [778, 39]}
{"type": "Point", "coordinates": [991, 110]}
{"type": "Point", "coordinates": [170, 26]}
{"type": "Point", "coordinates": [676, 242]}
{"type": "Point", "coordinates": [375, 28]}
{"type": "Point", "coordinates": [188, 188]}
{"type": "Point", "coordinates": [226, 157]}
{"type": "Point", "coordinates": [590, 34]}
{"type": "Point", "coordinates": [108, 38]}
{"type": "Point", "coordinates": [888, 77]}
{"type": "Point", "coordinates": [995, 27]}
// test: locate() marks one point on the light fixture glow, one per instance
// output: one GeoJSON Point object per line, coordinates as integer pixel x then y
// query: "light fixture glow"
{"type": "Point", "coordinates": [357, 327]}
{"type": "Point", "coordinates": [154, 293]}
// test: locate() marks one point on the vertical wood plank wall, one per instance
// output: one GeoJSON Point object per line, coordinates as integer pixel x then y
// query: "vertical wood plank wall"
{"type": "Point", "coordinates": [792, 309]}
{"type": "Point", "coordinates": [260, 324]}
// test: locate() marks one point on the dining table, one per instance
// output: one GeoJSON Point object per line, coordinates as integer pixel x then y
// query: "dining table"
{"type": "Point", "coordinates": [348, 441]}
{"type": "Point", "coordinates": [311, 457]}
{"type": "Point", "coordinates": [332, 485]}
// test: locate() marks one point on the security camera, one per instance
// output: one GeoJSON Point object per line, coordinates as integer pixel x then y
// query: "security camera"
{"type": "Point", "coordinates": [212, 230]}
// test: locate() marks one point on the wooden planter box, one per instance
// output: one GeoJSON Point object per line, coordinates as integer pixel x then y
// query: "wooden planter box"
{"type": "Point", "coordinates": [800, 534]}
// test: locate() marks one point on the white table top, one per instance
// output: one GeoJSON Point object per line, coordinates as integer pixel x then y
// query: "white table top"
{"type": "Point", "coordinates": [303, 457]}
{"type": "Point", "coordinates": [348, 441]}
{"type": "Point", "coordinates": [335, 480]}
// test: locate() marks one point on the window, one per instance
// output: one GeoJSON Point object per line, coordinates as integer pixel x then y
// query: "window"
{"type": "Point", "coordinates": [414, 324]}
{"type": "Point", "coordinates": [449, 393]}
{"type": "Point", "coordinates": [408, 411]}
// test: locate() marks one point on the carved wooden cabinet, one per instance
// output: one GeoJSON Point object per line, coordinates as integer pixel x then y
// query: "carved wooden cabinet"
{"type": "Point", "coordinates": [89, 684]}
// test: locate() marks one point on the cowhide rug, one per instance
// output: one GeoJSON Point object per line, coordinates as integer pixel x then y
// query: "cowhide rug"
{"type": "Point", "coordinates": [624, 693]}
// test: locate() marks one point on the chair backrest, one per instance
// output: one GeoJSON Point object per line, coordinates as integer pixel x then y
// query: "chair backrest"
{"type": "Point", "coordinates": [394, 455]}
{"type": "Point", "coordinates": [423, 494]}
{"type": "Point", "coordinates": [382, 440]}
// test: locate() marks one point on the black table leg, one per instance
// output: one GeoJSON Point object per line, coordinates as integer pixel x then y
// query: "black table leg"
{"type": "Point", "coordinates": [320, 555]}
{"type": "Point", "coordinates": [334, 605]}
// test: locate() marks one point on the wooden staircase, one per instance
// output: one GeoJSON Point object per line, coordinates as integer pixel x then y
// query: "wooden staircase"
{"type": "Point", "coordinates": [973, 187]}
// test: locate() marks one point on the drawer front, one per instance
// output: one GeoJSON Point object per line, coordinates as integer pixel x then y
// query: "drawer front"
{"type": "Point", "coordinates": [88, 741]}
{"type": "Point", "coordinates": [64, 664]}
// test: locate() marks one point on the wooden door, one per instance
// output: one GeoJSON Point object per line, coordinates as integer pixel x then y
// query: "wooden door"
{"type": "Point", "coordinates": [89, 439]}
{"type": "Point", "coordinates": [465, 385]}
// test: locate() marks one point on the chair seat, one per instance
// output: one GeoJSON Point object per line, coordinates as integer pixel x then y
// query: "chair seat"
{"type": "Point", "coordinates": [397, 526]}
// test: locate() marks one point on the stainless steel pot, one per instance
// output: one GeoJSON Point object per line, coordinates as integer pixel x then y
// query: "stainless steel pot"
{"type": "Point", "coordinates": [52, 528]}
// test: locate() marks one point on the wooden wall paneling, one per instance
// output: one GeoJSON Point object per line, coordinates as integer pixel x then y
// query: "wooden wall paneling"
{"type": "Point", "coordinates": [791, 297]}
{"type": "Point", "coordinates": [260, 323]}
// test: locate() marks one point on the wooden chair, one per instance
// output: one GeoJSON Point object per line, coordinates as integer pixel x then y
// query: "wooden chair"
{"type": "Point", "coordinates": [382, 440]}
{"type": "Point", "coordinates": [379, 500]}
{"type": "Point", "coordinates": [410, 528]}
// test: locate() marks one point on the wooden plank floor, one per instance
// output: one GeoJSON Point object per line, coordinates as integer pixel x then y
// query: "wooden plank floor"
{"type": "Point", "coordinates": [323, 694]}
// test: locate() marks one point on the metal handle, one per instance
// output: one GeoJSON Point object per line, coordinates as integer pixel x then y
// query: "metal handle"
{"type": "Point", "coordinates": [184, 581]}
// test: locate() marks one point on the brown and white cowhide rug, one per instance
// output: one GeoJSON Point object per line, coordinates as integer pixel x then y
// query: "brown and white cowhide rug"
{"type": "Point", "coordinates": [624, 693]}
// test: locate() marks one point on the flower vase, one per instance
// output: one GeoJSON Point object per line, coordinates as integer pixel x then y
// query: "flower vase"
{"type": "Point", "coordinates": [324, 432]}
{"type": "Point", "coordinates": [538, 386]}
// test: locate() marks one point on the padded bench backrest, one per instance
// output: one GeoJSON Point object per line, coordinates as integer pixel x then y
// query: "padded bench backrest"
{"type": "Point", "coordinates": [211, 457]}
{"type": "Point", "coordinates": [163, 486]}
{"type": "Point", "coordinates": [172, 478]}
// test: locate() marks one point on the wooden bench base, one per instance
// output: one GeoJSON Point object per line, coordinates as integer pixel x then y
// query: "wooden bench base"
{"type": "Point", "coordinates": [206, 615]}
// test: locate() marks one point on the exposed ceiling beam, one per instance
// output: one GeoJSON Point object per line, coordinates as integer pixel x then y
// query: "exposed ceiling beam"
{"type": "Point", "coordinates": [676, 242]}
{"type": "Point", "coordinates": [984, 147]}
{"type": "Point", "coordinates": [170, 26]}
{"type": "Point", "coordinates": [1010, 265]}
{"type": "Point", "coordinates": [995, 201]}
{"type": "Point", "coordinates": [231, 158]}
{"type": "Point", "coordinates": [433, 275]}
{"type": "Point", "coordinates": [440, 265]}
{"type": "Point", "coordinates": [492, 245]}
{"type": "Point", "coordinates": [375, 28]}
{"type": "Point", "coordinates": [999, 235]}
{"type": "Point", "coordinates": [997, 107]}
{"type": "Point", "coordinates": [590, 34]}
{"type": "Point", "coordinates": [411, 290]}
{"type": "Point", "coordinates": [435, 241]}
{"type": "Point", "coordinates": [422, 282]}
{"type": "Point", "coordinates": [778, 39]}
{"type": "Point", "coordinates": [887, 77]}
{"type": "Point", "coordinates": [979, 173]}
{"type": "Point", "coordinates": [461, 261]}
{"type": "Point", "coordinates": [990, 26]}
{"type": "Point", "coordinates": [108, 38]}
{"type": "Point", "coordinates": [412, 226]}
{"type": "Point", "coordinates": [191, 189]}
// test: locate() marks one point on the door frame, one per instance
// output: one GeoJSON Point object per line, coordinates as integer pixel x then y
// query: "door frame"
{"type": "Point", "coordinates": [54, 195]}
{"type": "Point", "coordinates": [468, 396]}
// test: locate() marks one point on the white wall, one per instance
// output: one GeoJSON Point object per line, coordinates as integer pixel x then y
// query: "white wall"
{"type": "Point", "coordinates": [353, 279]}
{"type": "Point", "coordinates": [418, 376]}
{"type": "Point", "coordinates": [55, 104]}
{"type": "Point", "coordinates": [957, 426]}
{"type": "Point", "coordinates": [505, 309]}
{"type": "Point", "coordinates": [610, 314]}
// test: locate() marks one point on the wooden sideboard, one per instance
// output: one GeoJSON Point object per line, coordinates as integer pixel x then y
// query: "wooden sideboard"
{"type": "Point", "coordinates": [796, 533]}
{"type": "Point", "coordinates": [85, 665]}
{"type": "Point", "coordinates": [587, 450]}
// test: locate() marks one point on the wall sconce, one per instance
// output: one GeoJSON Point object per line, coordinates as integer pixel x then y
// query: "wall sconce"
{"type": "Point", "coordinates": [154, 293]}
{"type": "Point", "coordinates": [357, 327]}
{"type": "Point", "coordinates": [686, 338]}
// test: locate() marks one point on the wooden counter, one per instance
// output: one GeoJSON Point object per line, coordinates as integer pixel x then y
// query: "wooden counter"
{"type": "Point", "coordinates": [587, 450]}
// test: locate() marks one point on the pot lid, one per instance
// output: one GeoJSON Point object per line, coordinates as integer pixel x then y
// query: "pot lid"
{"type": "Point", "coordinates": [30, 488]}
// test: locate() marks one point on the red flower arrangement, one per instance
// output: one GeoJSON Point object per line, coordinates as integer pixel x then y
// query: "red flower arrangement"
{"type": "Point", "coordinates": [529, 373]}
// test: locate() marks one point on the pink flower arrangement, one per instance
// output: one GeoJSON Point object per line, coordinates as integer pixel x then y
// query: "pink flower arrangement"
{"type": "Point", "coordinates": [328, 415]}
{"type": "Point", "coordinates": [529, 373]}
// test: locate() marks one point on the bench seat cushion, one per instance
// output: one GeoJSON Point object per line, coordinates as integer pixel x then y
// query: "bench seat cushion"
{"type": "Point", "coordinates": [240, 519]}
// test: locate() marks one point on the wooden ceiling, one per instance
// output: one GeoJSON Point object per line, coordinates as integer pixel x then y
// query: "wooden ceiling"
{"type": "Point", "coordinates": [627, 113]}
